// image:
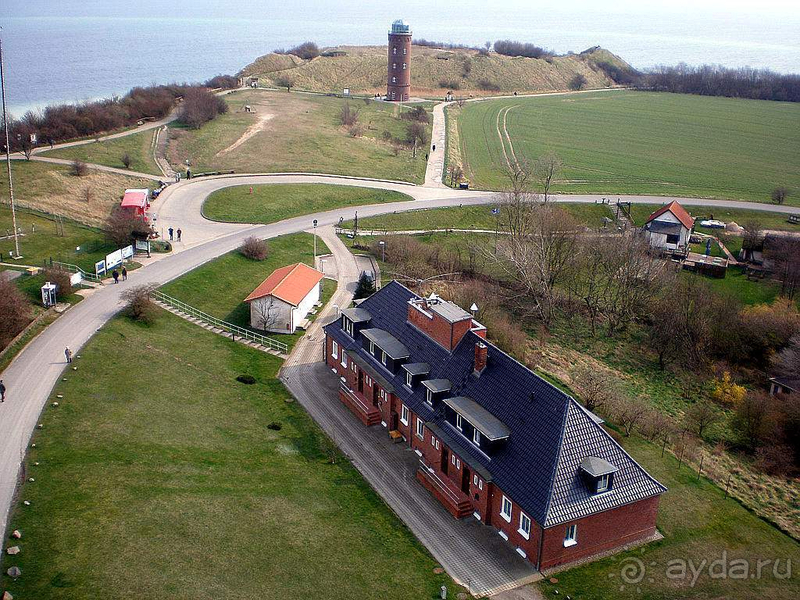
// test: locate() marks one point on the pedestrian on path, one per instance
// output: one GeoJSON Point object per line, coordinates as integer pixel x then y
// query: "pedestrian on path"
{"type": "Point", "coordinates": [68, 354]}
{"type": "Point", "coordinates": [170, 233]}
{"type": "Point", "coordinates": [179, 234]}
{"type": "Point", "coordinates": [115, 275]}
{"type": "Point", "coordinates": [124, 274]}
{"type": "Point", "coordinates": [2, 391]}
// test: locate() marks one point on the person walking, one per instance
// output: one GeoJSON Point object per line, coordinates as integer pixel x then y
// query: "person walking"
{"type": "Point", "coordinates": [170, 233]}
{"type": "Point", "coordinates": [2, 391]}
{"type": "Point", "coordinates": [68, 354]}
{"type": "Point", "coordinates": [179, 232]}
{"type": "Point", "coordinates": [115, 275]}
{"type": "Point", "coordinates": [124, 274]}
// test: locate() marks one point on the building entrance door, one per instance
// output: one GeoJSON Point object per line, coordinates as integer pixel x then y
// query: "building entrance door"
{"type": "Point", "coordinates": [361, 381]}
{"type": "Point", "coordinates": [467, 474]}
{"type": "Point", "coordinates": [374, 395]}
{"type": "Point", "coordinates": [445, 460]}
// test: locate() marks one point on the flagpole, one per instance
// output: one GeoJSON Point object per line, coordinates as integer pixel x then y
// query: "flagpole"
{"type": "Point", "coordinates": [8, 152]}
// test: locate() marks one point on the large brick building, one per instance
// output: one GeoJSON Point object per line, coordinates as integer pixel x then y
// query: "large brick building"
{"type": "Point", "coordinates": [398, 82]}
{"type": "Point", "coordinates": [495, 442]}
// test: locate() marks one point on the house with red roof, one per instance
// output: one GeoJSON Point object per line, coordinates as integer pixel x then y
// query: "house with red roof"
{"type": "Point", "coordinates": [136, 202]}
{"type": "Point", "coordinates": [669, 228]}
{"type": "Point", "coordinates": [283, 300]}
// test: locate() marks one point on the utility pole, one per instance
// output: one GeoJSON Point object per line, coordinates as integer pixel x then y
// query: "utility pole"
{"type": "Point", "coordinates": [8, 152]}
{"type": "Point", "coordinates": [315, 243]}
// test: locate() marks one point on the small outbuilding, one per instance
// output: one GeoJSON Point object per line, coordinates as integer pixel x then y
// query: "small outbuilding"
{"type": "Point", "coordinates": [136, 202]}
{"type": "Point", "coordinates": [668, 229]}
{"type": "Point", "coordinates": [784, 385]}
{"type": "Point", "coordinates": [284, 299]}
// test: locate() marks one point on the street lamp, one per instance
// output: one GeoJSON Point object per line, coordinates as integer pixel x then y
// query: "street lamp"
{"type": "Point", "coordinates": [383, 250]}
{"type": "Point", "coordinates": [315, 242]}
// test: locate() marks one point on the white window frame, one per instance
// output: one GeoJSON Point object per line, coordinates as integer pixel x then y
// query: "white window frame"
{"type": "Point", "coordinates": [404, 414]}
{"type": "Point", "coordinates": [453, 459]}
{"type": "Point", "coordinates": [433, 441]}
{"type": "Point", "coordinates": [405, 66]}
{"type": "Point", "coordinates": [524, 525]}
{"type": "Point", "coordinates": [603, 483]}
{"type": "Point", "coordinates": [394, 65]}
{"type": "Point", "coordinates": [335, 349]}
{"type": "Point", "coordinates": [344, 358]}
{"type": "Point", "coordinates": [437, 444]}
{"type": "Point", "coordinates": [348, 326]}
{"type": "Point", "coordinates": [394, 80]}
{"type": "Point", "coordinates": [459, 423]}
{"type": "Point", "coordinates": [405, 50]}
{"type": "Point", "coordinates": [368, 380]}
{"type": "Point", "coordinates": [429, 396]}
{"type": "Point", "coordinates": [458, 463]}
{"type": "Point", "coordinates": [409, 379]}
{"type": "Point", "coordinates": [503, 504]}
{"type": "Point", "coordinates": [571, 535]}
{"type": "Point", "coordinates": [384, 358]}
{"type": "Point", "coordinates": [480, 484]}
{"type": "Point", "coordinates": [420, 428]}
{"type": "Point", "coordinates": [476, 437]}
{"type": "Point", "coordinates": [394, 50]}
{"type": "Point", "coordinates": [371, 347]}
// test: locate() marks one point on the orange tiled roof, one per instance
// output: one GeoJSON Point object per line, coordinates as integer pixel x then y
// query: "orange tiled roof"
{"type": "Point", "coordinates": [291, 284]}
{"type": "Point", "coordinates": [676, 209]}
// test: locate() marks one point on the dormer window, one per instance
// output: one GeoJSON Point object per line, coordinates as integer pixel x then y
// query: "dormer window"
{"type": "Point", "coordinates": [347, 325]}
{"type": "Point", "coordinates": [598, 474]}
{"type": "Point", "coordinates": [476, 437]}
{"type": "Point", "coordinates": [459, 423]}
{"type": "Point", "coordinates": [409, 379]}
{"type": "Point", "coordinates": [383, 358]}
{"type": "Point", "coordinates": [429, 397]}
{"type": "Point", "coordinates": [372, 347]}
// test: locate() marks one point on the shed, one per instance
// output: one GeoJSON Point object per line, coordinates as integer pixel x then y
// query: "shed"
{"type": "Point", "coordinates": [284, 299]}
{"type": "Point", "coordinates": [136, 202]}
{"type": "Point", "coordinates": [668, 229]}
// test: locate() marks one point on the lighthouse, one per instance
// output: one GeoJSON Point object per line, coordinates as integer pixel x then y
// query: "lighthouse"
{"type": "Point", "coordinates": [398, 84]}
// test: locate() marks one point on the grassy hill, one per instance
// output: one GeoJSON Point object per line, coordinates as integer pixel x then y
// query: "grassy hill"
{"type": "Point", "coordinates": [362, 69]}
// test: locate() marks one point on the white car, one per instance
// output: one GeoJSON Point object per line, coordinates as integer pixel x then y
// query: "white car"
{"type": "Point", "coordinates": [712, 224]}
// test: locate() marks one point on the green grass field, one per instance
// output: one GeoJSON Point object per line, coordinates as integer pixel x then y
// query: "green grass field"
{"type": "Point", "coordinates": [298, 132]}
{"type": "Point", "coordinates": [275, 202]}
{"type": "Point", "coordinates": [158, 477]}
{"type": "Point", "coordinates": [626, 142]}
{"type": "Point", "coordinates": [699, 524]}
{"type": "Point", "coordinates": [220, 286]}
{"type": "Point", "coordinates": [110, 152]}
{"type": "Point", "coordinates": [469, 217]}
{"type": "Point", "coordinates": [41, 241]}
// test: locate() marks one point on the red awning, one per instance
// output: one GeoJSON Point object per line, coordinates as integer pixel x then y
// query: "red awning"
{"type": "Point", "coordinates": [134, 199]}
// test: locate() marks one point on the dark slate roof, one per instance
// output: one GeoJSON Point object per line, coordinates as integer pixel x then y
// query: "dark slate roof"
{"type": "Point", "coordinates": [596, 467]}
{"type": "Point", "coordinates": [417, 368]}
{"type": "Point", "coordinates": [538, 467]}
{"type": "Point", "coordinates": [793, 383]}
{"type": "Point", "coordinates": [357, 315]}
{"type": "Point", "coordinates": [438, 385]}
{"type": "Point", "coordinates": [387, 342]}
{"type": "Point", "coordinates": [663, 227]}
{"type": "Point", "coordinates": [479, 417]}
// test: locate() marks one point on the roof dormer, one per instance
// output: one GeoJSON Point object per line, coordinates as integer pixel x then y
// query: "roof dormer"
{"type": "Point", "coordinates": [353, 320]}
{"type": "Point", "coordinates": [435, 389]}
{"type": "Point", "coordinates": [598, 474]}
{"type": "Point", "coordinates": [476, 423]}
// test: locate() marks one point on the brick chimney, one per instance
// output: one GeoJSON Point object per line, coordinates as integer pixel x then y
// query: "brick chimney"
{"type": "Point", "coordinates": [481, 355]}
{"type": "Point", "coordinates": [442, 321]}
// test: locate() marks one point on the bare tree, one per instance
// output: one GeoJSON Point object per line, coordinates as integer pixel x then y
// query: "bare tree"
{"type": "Point", "coordinates": [546, 169]}
{"type": "Point", "coordinates": [701, 416]}
{"type": "Point", "coordinates": [122, 228]}
{"type": "Point", "coordinates": [254, 248]}
{"type": "Point", "coordinates": [348, 116]}
{"type": "Point", "coordinates": [126, 160]}
{"type": "Point", "coordinates": [266, 312]}
{"type": "Point", "coordinates": [15, 312]}
{"type": "Point", "coordinates": [140, 306]}
{"type": "Point", "coordinates": [79, 168]}
{"type": "Point", "coordinates": [787, 361]}
{"type": "Point", "coordinates": [628, 412]}
{"type": "Point", "coordinates": [784, 251]}
{"type": "Point", "coordinates": [779, 194]}
{"type": "Point", "coordinates": [594, 386]}
{"type": "Point", "coordinates": [750, 419]}
{"type": "Point", "coordinates": [456, 173]}
{"type": "Point", "coordinates": [753, 237]}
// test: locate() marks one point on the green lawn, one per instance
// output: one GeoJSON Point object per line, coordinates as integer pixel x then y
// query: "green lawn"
{"type": "Point", "coordinates": [41, 240]}
{"type": "Point", "coordinates": [470, 217]}
{"type": "Point", "coordinates": [158, 477]}
{"type": "Point", "coordinates": [698, 524]}
{"type": "Point", "coordinates": [220, 286]}
{"type": "Point", "coordinates": [110, 152]}
{"type": "Point", "coordinates": [275, 202]}
{"type": "Point", "coordinates": [299, 132]}
{"type": "Point", "coordinates": [628, 142]}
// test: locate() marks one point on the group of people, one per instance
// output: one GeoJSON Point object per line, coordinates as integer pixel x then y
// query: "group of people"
{"type": "Point", "coordinates": [115, 274]}
{"type": "Point", "coordinates": [172, 232]}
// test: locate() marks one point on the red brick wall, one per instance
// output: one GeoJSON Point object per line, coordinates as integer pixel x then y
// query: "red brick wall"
{"type": "Point", "coordinates": [440, 330]}
{"type": "Point", "coordinates": [402, 85]}
{"type": "Point", "coordinates": [511, 529]}
{"type": "Point", "coordinates": [600, 532]}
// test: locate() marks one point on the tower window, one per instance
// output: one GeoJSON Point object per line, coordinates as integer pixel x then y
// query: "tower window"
{"type": "Point", "coordinates": [404, 66]}
{"type": "Point", "coordinates": [404, 51]}
{"type": "Point", "coordinates": [394, 65]}
{"type": "Point", "coordinates": [394, 80]}
{"type": "Point", "coordinates": [394, 50]}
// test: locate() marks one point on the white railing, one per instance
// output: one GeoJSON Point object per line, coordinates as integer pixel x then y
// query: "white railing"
{"type": "Point", "coordinates": [234, 330]}
{"type": "Point", "coordinates": [76, 269]}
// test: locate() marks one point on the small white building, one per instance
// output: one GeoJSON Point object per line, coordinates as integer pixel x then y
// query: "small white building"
{"type": "Point", "coordinates": [669, 228]}
{"type": "Point", "coordinates": [284, 299]}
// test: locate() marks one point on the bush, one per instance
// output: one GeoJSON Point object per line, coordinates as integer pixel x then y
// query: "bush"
{"type": "Point", "coordinates": [779, 194]}
{"type": "Point", "coordinates": [15, 312]}
{"type": "Point", "coordinates": [275, 426]}
{"type": "Point", "coordinates": [62, 280]}
{"type": "Point", "coordinates": [246, 379]}
{"type": "Point", "coordinates": [348, 116]}
{"type": "Point", "coordinates": [254, 249]}
{"type": "Point", "coordinates": [225, 82]}
{"type": "Point", "coordinates": [284, 81]}
{"type": "Point", "coordinates": [620, 75]}
{"type": "Point", "coordinates": [450, 85]}
{"type": "Point", "coordinates": [488, 86]}
{"type": "Point", "coordinates": [512, 48]}
{"type": "Point", "coordinates": [418, 114]}
{"type": "Point", "coordinates": [124, 228]}
{"type": "Point", "coordinates": [126, 160]}
{"type": "Point", "coordinates": [577, 82]}
{"type": "Point", "coordinates": [139, 306]}
{"type": "Point", "coordinates": [79, 168]}
{"type": "Point", "coordinates": [200, 106]}
{"type": "Point", "coordinates": [306, 51]}
{"type": "Point", "coordinates": [356, 130]}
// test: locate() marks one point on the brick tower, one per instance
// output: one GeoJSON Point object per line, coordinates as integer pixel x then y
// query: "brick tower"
{"type": "Point", "coordinates": [398, 84]}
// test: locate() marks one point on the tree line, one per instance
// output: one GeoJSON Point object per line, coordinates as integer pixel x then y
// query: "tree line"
{"type": "Point", "coordinates": [63, 122]}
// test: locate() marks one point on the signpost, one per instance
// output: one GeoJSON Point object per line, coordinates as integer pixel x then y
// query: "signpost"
{"type": "Point", "coordinates": [114, 259]}
{"type": "Point", "coordinates": [143, 246]}
{"type": "Point", "coordinates": [100, 267]}
{"type": "Point", "coordinates": [127, 252]}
